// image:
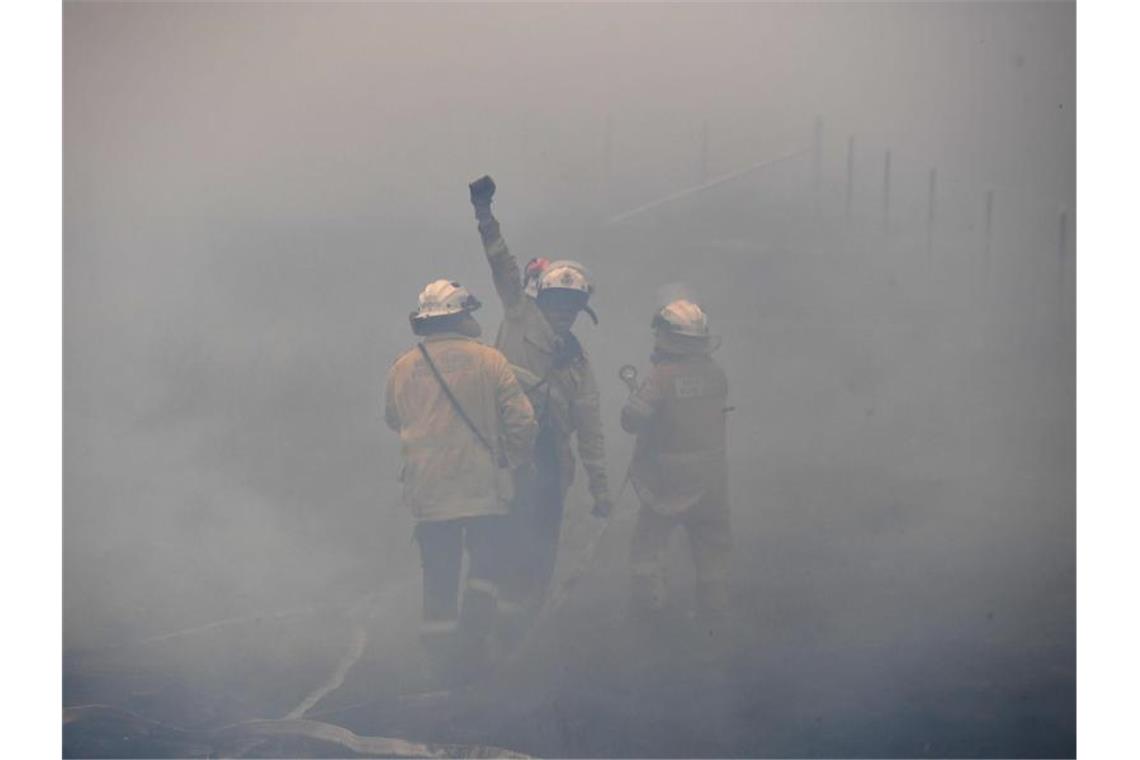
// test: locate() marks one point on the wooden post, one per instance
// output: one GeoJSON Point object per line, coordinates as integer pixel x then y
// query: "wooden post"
{"type": "Point", "coordinates": [887, 193]}
{"type": "Point", "coordinates": [1063, 237]}
{"type": "Point", "coordinates": [607, 194]}
{"type": "Point", "coordinates": [989, 229]}
{"type": "Point", "coordinates": [1062, 260]}
{"type": "Point", "coordinates": [608, 148]}
{"type": "Point", "coordinates": [930, 213]}
{"type": "Point", "coordinates": [817, 162]}
{"type": "Point", "coordinates": [850, 173]}
{"type": "Point", "coordinates": [704, 166]}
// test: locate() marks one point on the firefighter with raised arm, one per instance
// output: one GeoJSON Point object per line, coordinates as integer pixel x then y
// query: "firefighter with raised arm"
{"type": "Point", "coordinates": [540, 306]}
{"type": "Point", "coordinates": [465, 426]}
{"type": "Point", "coordinates": [679, 469]}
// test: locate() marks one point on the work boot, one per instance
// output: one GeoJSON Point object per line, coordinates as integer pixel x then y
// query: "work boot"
{"type": "Point", "coordinates": [713, 622]}
{"type": "Point", "coordinates": [473, 660]}
{"type": "Point", "coordinates": [648, 593]}
{"type": "Point", "coordinates": [712, 598]}
{"type": "Point", "coordinates": [480, 608]}
{"type": "Point", "coordinates": [440, 640]}
{"type": "Point", "coordinates": [513, 623]}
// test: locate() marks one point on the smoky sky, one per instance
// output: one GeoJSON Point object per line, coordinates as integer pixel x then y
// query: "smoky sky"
{"type": "Point", "coordinates": [255, 193]}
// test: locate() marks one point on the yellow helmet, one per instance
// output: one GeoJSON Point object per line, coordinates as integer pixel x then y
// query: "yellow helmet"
{"type": "Point", "coordinates": [682, 317]}
{"type": "Point", "coordinates": [443, 298]}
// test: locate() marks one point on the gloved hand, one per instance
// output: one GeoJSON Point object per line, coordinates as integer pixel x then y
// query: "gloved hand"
{"type": "Point", "coordinates": [602, 507]}
{"type": "Point", "coordinates": [482, 191]}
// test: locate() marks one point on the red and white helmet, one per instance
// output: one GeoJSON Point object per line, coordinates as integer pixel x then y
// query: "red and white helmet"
{"type": "Point", "coordinates": [442, 298]}
{"type": "Point", "coordinates": [534, 269]}
{"type": "Point", "coordinates": [682, 317]}
{"type": "Point", "coordinates": [566, 275]}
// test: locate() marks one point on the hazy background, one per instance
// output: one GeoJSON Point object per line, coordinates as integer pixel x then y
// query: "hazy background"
{"type": "Point", "coordinates": [255, 194]}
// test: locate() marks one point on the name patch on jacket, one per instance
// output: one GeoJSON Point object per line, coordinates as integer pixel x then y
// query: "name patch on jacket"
{"type": "Point", "coordinates": [688, 386]}
{"type": "Point", "coordinates": [446, 363]}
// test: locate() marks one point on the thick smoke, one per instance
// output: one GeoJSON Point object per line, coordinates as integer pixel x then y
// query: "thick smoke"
{"type": "Point", "coordinates": [254, 195]}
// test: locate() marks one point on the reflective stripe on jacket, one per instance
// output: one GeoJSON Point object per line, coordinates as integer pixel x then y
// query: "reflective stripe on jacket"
{"type": "Point", "coordinates": [678, 414]}
{"type": "Point", "coordinates": [448, 473]}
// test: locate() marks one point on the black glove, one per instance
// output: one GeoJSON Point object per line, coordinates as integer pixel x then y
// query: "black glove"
{"type": "Point", "coordinates": [482, 191]}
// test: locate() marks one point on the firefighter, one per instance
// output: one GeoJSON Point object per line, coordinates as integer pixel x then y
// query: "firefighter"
{"type": "Point", "coordinates": [539, 312]}
{"type": "Point", "coordinates": [465, 425]}
{"type": "Point", "coordinates": [679, 469]}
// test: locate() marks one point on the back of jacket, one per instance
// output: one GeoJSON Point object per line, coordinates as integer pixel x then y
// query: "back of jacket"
{"type": "Point", "coordinates": [448, 473]}
{"type": "Point", "coordinates": [678, 414]}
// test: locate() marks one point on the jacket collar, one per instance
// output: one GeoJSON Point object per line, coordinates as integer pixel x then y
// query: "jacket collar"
{"type": "Point", "coordinates": [446, 336]}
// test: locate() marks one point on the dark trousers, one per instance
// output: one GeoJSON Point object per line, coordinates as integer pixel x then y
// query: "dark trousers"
{"type": "Point", "coordinates": [536, 522]}
{"type": "Point", "coordinates": [441, 553]}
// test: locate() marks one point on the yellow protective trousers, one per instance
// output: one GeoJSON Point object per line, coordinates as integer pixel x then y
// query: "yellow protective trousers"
{"type": "Point", "coordinates": [708, 526]}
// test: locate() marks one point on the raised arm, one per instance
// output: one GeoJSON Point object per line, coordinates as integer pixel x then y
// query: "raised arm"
{"type": "Point", "coordinates": [504, 267]}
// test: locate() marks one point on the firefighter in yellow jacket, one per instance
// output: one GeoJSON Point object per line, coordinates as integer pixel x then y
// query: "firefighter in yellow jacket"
{"type": "Point", "coordinates": [465, 425]}
{"type": "Point", "coordinates": [679, 469]}
{"type": "Point", "coordinates": [539, 310]}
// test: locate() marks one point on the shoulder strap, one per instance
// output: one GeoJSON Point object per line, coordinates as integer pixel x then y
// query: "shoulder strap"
{"type": "Point", "coordinates": [455, 403]}
{"type": "Point", "coordinates": [569, 351]}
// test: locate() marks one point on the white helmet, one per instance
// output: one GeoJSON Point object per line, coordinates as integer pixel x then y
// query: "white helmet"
{"type": "Point", "coordinates": [443, 298]}
{"type": "Point", "coordinates": [566, 275]}
{"type": "Point", "coordinates": [682, 317]}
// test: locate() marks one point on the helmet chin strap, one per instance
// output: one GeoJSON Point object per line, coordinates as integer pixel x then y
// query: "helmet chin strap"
{"type": "Point", "coordinates": [590, 311]}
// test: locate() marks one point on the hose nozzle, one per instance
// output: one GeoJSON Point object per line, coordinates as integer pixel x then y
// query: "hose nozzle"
{"type": "Point", "coordinates": [628, 375]}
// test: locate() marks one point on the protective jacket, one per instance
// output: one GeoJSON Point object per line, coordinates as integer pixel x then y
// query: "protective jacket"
{"type": "Point", "coordinates": [565, 395]}
{"type": "Point", "coordinates": [448, 473]}
{"type": "Point", "coordinates": [678, 414]}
